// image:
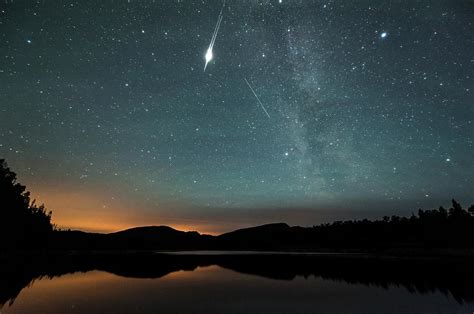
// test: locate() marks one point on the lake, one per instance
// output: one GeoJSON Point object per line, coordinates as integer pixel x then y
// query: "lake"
{"type": "Point", "coordinates": [230, 284]}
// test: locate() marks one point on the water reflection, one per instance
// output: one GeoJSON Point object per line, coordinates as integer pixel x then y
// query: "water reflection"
{"type": "Point", "coordinates": [150, 283]}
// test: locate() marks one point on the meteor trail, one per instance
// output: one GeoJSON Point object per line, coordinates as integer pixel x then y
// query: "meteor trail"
{"type": "Point", "coordinates": [258, 99]}
{"type": "Point", "coordinates": [208, 57]}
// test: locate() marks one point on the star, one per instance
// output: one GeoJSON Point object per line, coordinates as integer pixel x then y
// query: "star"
{"type": "Point", "coordinates": [128, 95]}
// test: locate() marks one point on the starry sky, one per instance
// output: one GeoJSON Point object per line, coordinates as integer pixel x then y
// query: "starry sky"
{"type": "Point", "coordinates": [108, 117]}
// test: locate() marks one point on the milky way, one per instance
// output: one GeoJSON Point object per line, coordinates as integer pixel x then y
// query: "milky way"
{"type": "Point", "coordinates": [106, 113]}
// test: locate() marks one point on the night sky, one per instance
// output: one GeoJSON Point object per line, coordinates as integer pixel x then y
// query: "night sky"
{"type": "Point", "coordinates": [108, 117]}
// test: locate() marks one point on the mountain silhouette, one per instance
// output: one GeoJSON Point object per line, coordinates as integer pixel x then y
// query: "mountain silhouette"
{"type": "Point", "coordinates": [163, 237]}
{"type": "Point", "coordinates": [138, 238]}
{"type": "Point", "coordinates": [276, 236]}
{"type": "Point", "coordinates": [269, 236]}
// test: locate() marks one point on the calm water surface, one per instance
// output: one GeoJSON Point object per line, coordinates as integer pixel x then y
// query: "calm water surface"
{"type": "Point", "coordinates": [213, 289]}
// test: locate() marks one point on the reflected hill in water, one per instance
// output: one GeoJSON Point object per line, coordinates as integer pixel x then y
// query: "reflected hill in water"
{"type": "Point", "coordinates": [453, 276]}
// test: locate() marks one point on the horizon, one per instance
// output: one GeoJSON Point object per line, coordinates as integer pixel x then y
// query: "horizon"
{"type": "Point", "coordinates": [291, 216]}
{"type": "Point", "coordinates": [118, 114]}
{"type": "Point", "coordinates": [186, 229]}
{"type": "Point", "coordinates": [97, 227]}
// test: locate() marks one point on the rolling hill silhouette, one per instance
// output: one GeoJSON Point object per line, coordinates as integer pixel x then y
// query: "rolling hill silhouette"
{"type": "Point", "coordinates": [138, 238]}
{"type": "Point", "coordinates": [265, 237]}
{"type": "Point", "coordinates": [269, 236]}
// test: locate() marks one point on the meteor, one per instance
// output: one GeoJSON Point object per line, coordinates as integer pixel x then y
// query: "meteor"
{"type": "Point", "coordinates": [208, 57]}
{"type": "Point", "coordinates": [258, 99]}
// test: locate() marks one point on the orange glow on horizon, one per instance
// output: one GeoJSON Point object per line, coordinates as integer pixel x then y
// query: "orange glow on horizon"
{"type": "Point", "coordinates": [86, 211]}
{"type": "Point", "coordinates": [93, 208]}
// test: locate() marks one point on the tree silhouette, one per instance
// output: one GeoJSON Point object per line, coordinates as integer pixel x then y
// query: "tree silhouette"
{"type": "Point", "coordinates": [471, 210]}
{"type": "Point", "coordinates": [23, 224]}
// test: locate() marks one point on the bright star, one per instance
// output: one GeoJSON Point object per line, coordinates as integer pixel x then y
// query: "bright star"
{"type": "Point", "coordinates": [28, 41]}
{"type": "Point", "coordinates": [383, 35]}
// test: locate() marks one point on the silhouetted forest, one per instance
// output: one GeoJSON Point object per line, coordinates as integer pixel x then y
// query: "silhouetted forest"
{"type": "Point", "coordinates": [437, 228]}
{"type": "Point", "coordinates": [447, 228]}
{"type": "Point", "coordinates": [24, 225]}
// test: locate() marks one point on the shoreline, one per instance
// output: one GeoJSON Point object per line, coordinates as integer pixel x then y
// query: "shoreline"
{"type": "Point", "coordinates": [439, 253]}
